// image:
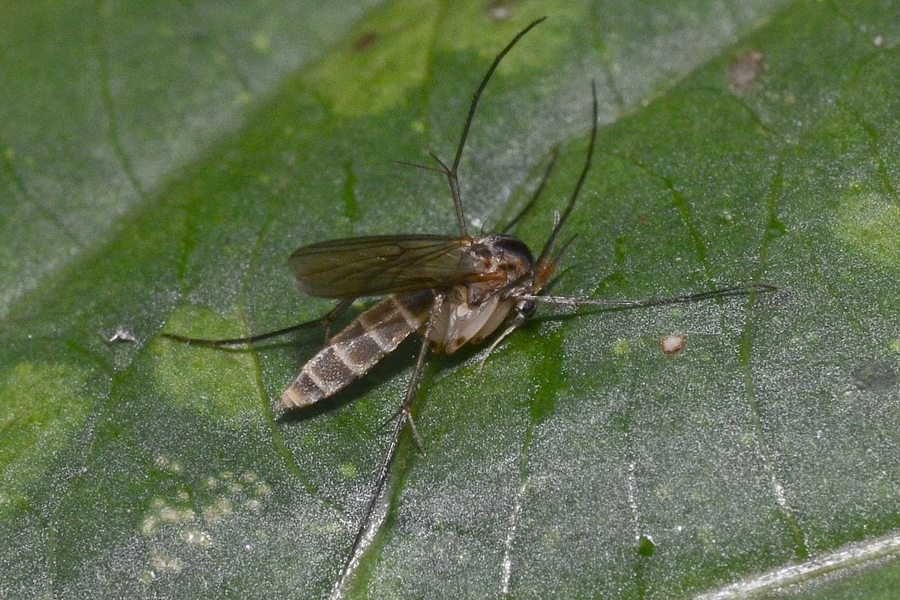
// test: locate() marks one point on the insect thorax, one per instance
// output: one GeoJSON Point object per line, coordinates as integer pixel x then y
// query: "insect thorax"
{"type": "Point", "coordinates": [502, 260]}
{"type": "Point", "coordinates": [473, 311]}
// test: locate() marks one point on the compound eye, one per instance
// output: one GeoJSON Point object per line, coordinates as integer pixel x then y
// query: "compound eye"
{"type": "Point", "coordinates": [513, 247]}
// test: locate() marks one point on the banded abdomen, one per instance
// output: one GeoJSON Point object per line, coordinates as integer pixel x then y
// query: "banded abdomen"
{"type": "Point", "coordinates": [356, 349]}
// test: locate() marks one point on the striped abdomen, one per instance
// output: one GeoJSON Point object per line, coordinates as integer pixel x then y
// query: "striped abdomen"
{"type": "Point", "coordinates": [356, 349]}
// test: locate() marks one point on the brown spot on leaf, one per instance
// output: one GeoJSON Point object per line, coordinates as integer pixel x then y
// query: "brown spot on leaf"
{"type": "Point", "coordinates": [365, 40]}
{"type": "Point", "coordinates": [744, 69]}
{"type": "Point", "coordinates": [672, 343]}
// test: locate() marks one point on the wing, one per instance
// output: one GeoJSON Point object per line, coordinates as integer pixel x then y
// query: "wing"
{"type": "Point", "coordinates": [367, 266]}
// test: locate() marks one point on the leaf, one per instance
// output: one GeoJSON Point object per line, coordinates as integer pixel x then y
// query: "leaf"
{"type": "Point", "coordinates": [161, 162]}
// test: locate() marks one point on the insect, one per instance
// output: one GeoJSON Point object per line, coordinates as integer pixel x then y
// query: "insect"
{"type": "Point", "coordinates": [453, 290]}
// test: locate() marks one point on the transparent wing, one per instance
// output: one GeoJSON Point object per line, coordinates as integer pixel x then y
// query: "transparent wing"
{"type": "Point", "coordinates": [367, 266]}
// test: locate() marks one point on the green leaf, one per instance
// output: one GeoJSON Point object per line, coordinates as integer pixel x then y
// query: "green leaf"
{"type": "Point", "coordinates": [161, 161]}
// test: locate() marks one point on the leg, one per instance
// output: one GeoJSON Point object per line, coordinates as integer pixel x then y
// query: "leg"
{"type": "Point", "coordinates": [368, 527]}
{"type": "Point", "coordinates": [324, 321]}
{"type": "Point", "coordinates": [451, 173]}
{"type": "Point", "coordinates": [535, 195]}
{"type": "Point", "coordinates": [737, 290]}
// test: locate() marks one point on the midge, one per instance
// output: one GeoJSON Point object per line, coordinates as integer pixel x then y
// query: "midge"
{"type": "Point", "coordinates": [453, 290]}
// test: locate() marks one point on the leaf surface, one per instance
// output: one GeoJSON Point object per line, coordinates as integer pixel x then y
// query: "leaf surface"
{"type": "Point", "coordinates": [161, 162]}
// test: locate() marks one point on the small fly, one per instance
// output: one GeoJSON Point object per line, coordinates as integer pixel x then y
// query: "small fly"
{"type": "Point", "coordinates": [453, 290]}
